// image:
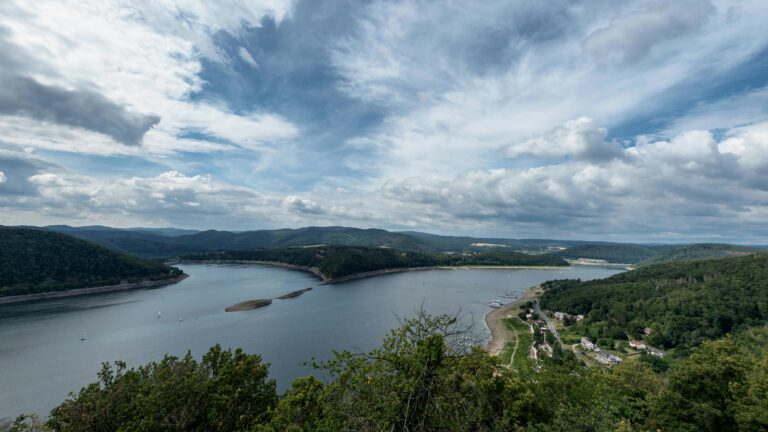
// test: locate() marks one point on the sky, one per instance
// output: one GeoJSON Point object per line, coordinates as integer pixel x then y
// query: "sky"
{"type": "Point", "coordinates": [642, 121]}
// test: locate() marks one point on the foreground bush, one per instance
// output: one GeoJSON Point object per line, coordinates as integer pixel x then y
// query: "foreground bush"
{"type": "Point", "coordinates": [420, 380]}
{"type": "Point", "coordinates": [226, 391]}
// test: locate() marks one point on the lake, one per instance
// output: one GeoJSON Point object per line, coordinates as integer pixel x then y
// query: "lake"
{"type": "Point", "coordinates": [42, 356]}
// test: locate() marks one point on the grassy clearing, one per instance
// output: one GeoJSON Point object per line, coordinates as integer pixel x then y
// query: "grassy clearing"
{"type": "Point", "coordinates": [506, 353]}
{"type": "Point", "coordinates": [516, 355]}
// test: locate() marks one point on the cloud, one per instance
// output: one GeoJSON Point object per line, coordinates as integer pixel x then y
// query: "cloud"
{"type": "Point", "coordinates": [247, 57]}
{"type": "Point", "coordinates": [749, 144]}
{"type": "Point", "coordinates": [3, 178]}
{"type": "Point", "coordinates": [629, 38]}
{"type": "Point", "coordinates": [122, 61]}
{"type": "Point", "coordinates": [560, 118]}
{"type": "Point", "coordinates": [724, 113]}
{"type": "Point", "coordinates": [692, 185]}
{"type": "Point", "coordinates": [77, 108]}
{"type": "Point", "coordinates": [446, 116]}
{"type": "Point", "coordinates": [581, 139]}
{"type": "Point", "coordinates": [167, 196]}
{"type": "Point", "coordinates": [301, 205]}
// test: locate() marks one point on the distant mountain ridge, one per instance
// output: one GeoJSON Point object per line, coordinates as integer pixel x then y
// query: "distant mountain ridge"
{"type": "Point", "coordinates": [168, 242]}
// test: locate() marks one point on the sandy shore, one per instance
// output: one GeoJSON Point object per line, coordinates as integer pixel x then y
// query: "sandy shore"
{"type": "Point", "coordinates": [499, 333]}
{"type": "Point", "coordinates": [94, 290]}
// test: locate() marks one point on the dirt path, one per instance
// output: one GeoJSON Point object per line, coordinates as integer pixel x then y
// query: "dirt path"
{"type": "Point", "coordinates": [514, 351]}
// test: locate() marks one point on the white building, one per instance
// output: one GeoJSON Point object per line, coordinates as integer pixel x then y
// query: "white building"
{"type": "Point", "coordinates": [636, 344]}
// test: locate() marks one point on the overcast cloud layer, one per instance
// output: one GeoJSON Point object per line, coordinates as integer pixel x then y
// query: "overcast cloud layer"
{"type": "Point", "coordinates": [624, 121]}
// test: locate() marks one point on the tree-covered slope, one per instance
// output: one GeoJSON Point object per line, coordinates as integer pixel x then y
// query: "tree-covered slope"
{"type": "Point", "coordinates": [684, 303]}
{"type": "Point", "coordinates": [654, 254]}
{"type": "Point", "coordinates": [36, 261]}
{"type": "Point", "coordinates": [341, 261]}
{"type": "Point", "coordinates": [700, 251]}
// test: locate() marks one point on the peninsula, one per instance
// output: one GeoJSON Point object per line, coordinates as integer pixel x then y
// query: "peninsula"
{"type": "Point", "coordinates": [37, 264]}
{"type": "Point", "coordinates": [334, 264]}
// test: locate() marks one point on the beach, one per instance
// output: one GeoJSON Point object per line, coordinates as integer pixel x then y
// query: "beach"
{"type": "Point", "coordinates": [500, 336]}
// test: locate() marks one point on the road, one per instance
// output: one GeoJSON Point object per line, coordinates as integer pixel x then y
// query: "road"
{"type": "Point", "coordinates": [550, 324]}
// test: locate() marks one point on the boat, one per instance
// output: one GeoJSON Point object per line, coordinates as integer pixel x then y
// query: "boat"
{"type": "Point", "coordinates": [495, 304]}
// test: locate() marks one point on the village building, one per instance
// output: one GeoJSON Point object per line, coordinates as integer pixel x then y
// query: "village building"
{"type": "Point", "coordinates": [607, 358]}
{"type": "Point", "coordinates": [579, 317]}
{"type": "Point", "coordinates": [655, 352]}
{"type": "Point", "coordinates": [647, 331]}
{"type": "Point", "coordinates": [636, 344]}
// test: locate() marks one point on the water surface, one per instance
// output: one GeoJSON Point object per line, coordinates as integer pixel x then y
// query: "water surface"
{"type": "Point", "coordinates": [42, 356]}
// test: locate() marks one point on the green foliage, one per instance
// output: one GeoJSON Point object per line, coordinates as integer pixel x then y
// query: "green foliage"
{"type": "Point", "coordinates": [658, 364]}
{"type": "Point", "coordinates": [699, 395]}
{"type": "Point", "coordinates": [35, 261]}
{"type": "Point", "coordinates": [341, 261]}
{"type": "Point", "coordinates": [750, 403]}
{"type": "Point", "coordinates": [685, 303]}
{"type": "Point", "coordinates": [415, 381]}
{"type": "Point", "coordinates": [225, 391]}
{"type": "Point", "coordinates": [419, 380]}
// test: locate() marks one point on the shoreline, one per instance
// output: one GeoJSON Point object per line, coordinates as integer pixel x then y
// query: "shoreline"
{"type": "Point", "coordinates": [92, 290]}
{"type": "Point", "coordinates": [493, 320]}
{"type": "Point", "coordinates": [314, 270]}
{"type": "Point", "coordinates": [325, 280]}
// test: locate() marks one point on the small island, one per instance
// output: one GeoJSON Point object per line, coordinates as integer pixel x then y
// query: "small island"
{"type": "Point", "coordinates": [248, 305]}
{"type": "Point", "coordinates": [255, 304]}
{"type": "Point", "coordinates": [293, 294]}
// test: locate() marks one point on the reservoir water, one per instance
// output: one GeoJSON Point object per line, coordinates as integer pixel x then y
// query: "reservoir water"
{"type": "Point", "coordinates": [53, 347]}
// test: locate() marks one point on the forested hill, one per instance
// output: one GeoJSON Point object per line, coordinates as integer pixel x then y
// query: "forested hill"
{"type": "Point", "coordinates": [340, 261]}
{"type": "Point", "coordinates": [35, 261]}
{"type": "Point", "coordinates": [655, 254]}
{"type": "Point", "coordinates": [684, 303]}
{"type": "Point", "coordinates": [700, 251]}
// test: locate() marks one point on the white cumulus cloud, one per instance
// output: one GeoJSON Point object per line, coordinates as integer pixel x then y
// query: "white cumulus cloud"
{"type": "Point", "coordinates": [582, 138]}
